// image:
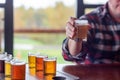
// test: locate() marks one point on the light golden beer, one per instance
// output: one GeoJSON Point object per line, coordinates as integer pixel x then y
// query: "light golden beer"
{"type": "Point", "coordinates": [8, 65]}
{"type": "Point", "coordinates": [32, 64]}
{"type": "Point", "coordinates": [18, 70]}
{"type": "Point", "coordinates": [32, 61]}
{"type": "Point", "coordinates": [7, 69]}
{"type": "Point", "coordinates": [82, 28]}
{"type": "Point", "coordinates": [50, 66]}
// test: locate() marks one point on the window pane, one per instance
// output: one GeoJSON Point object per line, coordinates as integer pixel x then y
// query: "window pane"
{"type": "Point", "coordinates": [42, 14]}
{"type": "Point", "coordinates": [95, 1]}
{"type": "Point", "coordinates": [2, 1]}
{"type": "Point", "coordinates": [33, 15]}
{"type": "Point", "coordinates": [1, 29]}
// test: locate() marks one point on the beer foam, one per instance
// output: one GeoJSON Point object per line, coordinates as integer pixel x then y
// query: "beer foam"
{"type": "Point", "coordinates": [81, 22]}
{"type": "Point", "coordinates": [50, 59]}
{"type": "Point", "coordinates": [31, 54]}
{"type": "Point", "coordinates": [17, 62]}
{"type": "Point", "coordinates": [41, 56]}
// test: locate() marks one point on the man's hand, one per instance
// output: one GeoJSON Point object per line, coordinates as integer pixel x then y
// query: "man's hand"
{"type": "Point", "coordinates": [70, 28]}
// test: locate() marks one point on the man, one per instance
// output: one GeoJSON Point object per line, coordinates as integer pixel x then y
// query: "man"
{"type": "Point", "coordinates": [103, 38]}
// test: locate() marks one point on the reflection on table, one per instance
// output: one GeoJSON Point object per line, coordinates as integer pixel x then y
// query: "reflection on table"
{"type": "Point", "coordinates": [82, 72]}
{"type": "Point", "coordinates": [94, 71]}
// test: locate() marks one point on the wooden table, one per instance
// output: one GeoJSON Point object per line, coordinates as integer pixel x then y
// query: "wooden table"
{"type": "Point", "coordinates": [86, 72]}
{"type": "Point", "coordinates": [94, 72]}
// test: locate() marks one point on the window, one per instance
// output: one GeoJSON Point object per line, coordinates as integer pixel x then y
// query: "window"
{"type": "Point", "coordinates": [95, 1]}
{"type": "Point", "coordinates": [2, 1]}
{"type": "Point", "coordinates": [1, 29]}
{"type": "Point", "coordinates": [39, 26]}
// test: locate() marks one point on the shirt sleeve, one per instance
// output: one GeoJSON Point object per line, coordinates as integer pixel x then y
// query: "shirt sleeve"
{"type": "Point", "coordinates": [68, 57]}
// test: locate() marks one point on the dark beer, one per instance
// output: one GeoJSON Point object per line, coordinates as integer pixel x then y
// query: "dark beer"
{"type": "Point", "coordinates": [2, 66]}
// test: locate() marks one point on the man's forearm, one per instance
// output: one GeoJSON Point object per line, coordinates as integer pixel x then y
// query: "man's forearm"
{"type": "Point", "coordinates": [74, 46]}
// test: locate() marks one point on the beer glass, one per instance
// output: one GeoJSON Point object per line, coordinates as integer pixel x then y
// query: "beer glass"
{"type": "Point", "coordinates": [2, 63]}
{"type": "Point", "coordinates": [18, 70]}
{"type": "Point", "coordinates": [7, 69]}
{"type": "Point", "coordinates": [49, 68]}
{"type": "Point", "coordinates": [32, 63]}
{"type": "Point", "coordinates": [8, 66]}
{"type": "Point", "coordinates": [40, 66]}
{"type": "Point", "coordinates": [82, 28]}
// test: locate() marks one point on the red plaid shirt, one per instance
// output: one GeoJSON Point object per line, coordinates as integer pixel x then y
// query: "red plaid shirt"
{"type": "Point", "coordinates": [103, 40]}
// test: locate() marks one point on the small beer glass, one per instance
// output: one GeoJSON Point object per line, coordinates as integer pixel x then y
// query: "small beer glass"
{"type": "Point", "coordinates": [2, 62]}
{"type": "Point", "coordinates": [82, 28]}
{"type": "Point", "coordinates": [18, 70]}
{"type": "Point", "coordinates": [32, 63]}
{"type": "Point", "coordinates": [50, 67]}
{"type": "Point", "coordinates": [40, 65]}
{"type": "Point", "coordinates": [8, 66]}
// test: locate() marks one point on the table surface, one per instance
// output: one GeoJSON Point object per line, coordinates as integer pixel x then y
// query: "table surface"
{"type": "Point", "coordinates": [94, 71]}
{"type": "Point", "coordinates": [85, 72]}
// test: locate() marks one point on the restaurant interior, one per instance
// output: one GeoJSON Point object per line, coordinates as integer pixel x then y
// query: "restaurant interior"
{"type": "Point", "coordinates": [36, 66]}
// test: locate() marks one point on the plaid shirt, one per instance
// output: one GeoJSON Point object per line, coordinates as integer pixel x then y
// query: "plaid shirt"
{"type": "Point", "coordinates": [103, 40]}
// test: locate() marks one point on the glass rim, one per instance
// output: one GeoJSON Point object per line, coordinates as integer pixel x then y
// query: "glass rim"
{"type": "Point", "coordinates": [50, 59]}
{"type": "Point", "coordinates": [17, 62]}
{"type": "Point", "coordinates": [31, 54]}
{"type": "Point", "coordinates": [81, 22]}
{"type": "Point", "coordinates": [41, 56]}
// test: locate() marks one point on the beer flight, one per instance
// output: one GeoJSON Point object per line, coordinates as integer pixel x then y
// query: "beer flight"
{"type": "Point", "coordinates": [40, 66]}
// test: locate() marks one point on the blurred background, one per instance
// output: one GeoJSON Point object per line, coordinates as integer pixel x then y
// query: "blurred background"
{"type": "Point", "coordinates": [39, 26]}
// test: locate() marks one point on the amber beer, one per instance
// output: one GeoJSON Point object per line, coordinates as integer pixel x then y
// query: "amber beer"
{"type": "Point", "coordinates": [49, 68]}
{"type": "Point", "coordinates": [82, 28]}
{"type": "Point", "coordinates": [32, 63]}
{"type": "Point", "coordinates": [40, 62]}
{"type": "Point", "coordinates": [40, 66]}
{"type": "Point", "coordinates": [18, 70]}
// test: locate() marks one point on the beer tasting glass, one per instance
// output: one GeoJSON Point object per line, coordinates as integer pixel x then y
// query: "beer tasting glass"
{"type": "Point", "coordinates": [82, 28]}
{"type": "Point", "coordinates": [32, 63]}
{"type": "Point", "coordinates": [2, 62]}
{"type": "Point", "coordinates": [18, 70]}
{"type": "Point", "coordinates": [49, 67]}
{"type": "Point", "coordinates": [40, 66]}
{"type": "Point", "coordinates": [8, 66]}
